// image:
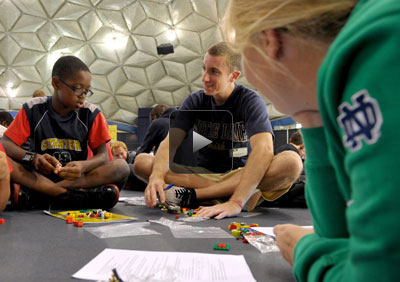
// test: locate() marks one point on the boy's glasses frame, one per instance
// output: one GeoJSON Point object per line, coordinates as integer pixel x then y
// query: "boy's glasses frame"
{"type": "Point", "coordinates": [78, 91]}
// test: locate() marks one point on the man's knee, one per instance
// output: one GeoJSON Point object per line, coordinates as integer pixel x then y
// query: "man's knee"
{"type": "Point", "coordinates": [143, 165]}
{"type": "Point", "coordinates": [283, 171]}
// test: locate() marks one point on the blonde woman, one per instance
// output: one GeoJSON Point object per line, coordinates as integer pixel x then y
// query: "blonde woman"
{"type": "Point", "coordinates": [333, 66]}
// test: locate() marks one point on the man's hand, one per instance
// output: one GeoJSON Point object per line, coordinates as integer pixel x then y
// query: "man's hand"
{"type": "Point", "coordinates": [287, 236]}
{"type": "Point", "coordinates": [154, 188]}
{"type": "Point", "coordinates": [46, 163]}
{"type": "Point", "coordinates": [227, 209]}
{"type": "Point", "coordinates": [71, 171]}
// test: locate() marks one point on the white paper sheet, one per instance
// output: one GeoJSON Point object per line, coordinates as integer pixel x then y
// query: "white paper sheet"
{"type": "Point", "coordinates": [188, 267]}
{"type": "Point", "coordinates": [270, 230]}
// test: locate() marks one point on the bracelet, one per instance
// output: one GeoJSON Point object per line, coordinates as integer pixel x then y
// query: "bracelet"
{"type": "Point", "coordinates": [237, 202]}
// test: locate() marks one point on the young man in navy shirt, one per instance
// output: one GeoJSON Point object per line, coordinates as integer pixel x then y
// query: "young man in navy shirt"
{"type": "Point", "coordinates": [255, 176]}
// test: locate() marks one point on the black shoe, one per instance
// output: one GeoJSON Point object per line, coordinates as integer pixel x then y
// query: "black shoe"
{"type": "Point", "coordinates": [23, 198]}
{"type": "Point", "coordinates": [100, 197]}
{"type": "Point", "coordinates": [181, 197]}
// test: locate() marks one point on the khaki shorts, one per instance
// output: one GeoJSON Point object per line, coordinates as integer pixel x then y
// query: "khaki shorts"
{"type": "Point", "coordinates": [217, 177]}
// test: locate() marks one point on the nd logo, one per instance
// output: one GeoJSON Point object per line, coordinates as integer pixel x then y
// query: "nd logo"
{"type": "Point", "coordinates": [362, 120]}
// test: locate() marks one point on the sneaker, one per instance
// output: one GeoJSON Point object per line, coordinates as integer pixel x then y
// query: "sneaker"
{"type": "Point", "coordinates": [181, 197]}
{"type": "Point", "coordinates": [23, 198]}
{"type": "Point", "coordinates": [100, 197]}
{"type": "Point", "coordinates": [255, 200]}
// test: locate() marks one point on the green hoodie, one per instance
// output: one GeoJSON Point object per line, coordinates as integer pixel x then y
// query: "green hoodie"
{"type": "Point", "coordinates": [353, 178]}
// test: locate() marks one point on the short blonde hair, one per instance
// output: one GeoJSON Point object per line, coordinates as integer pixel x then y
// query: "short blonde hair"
{"type": "Point", "coordinates": [321, 20]}
{"type": "Point", "coordinates": [233, 59]}
{"type": "Point", "coordinates": [118, 144]}
{"type": "Point", "coordinates": [318, 20]}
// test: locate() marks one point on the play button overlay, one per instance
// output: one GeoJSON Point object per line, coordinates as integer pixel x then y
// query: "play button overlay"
{"type": "Point", "coordinates": [199, 142]}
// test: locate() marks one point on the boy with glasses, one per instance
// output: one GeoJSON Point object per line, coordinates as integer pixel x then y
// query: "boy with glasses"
{"type": "Point", "coordinates": [60, 128]}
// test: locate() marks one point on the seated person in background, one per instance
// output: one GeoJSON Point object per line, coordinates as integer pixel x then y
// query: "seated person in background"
{"type": "Point", "coordinates": [5, 120]}
{"type": "Point", "coordinates": [263, 176]}
{"type": "Point", "coordinates": [5, 170]}
{"type": "Point", "coordinates": [295, 144]}
{"type": "Point", "coordinates": [156, 132]}
{"type": "Point", "coordinates": [295, 196]}
{"type": "Point", "coordinates": [61, 127]}
{"type": "Point", "coordinates": [38, 93]}
{"type": "Point", "coordinates": [119, 150]}
{"type": "Point", "coordinates": [157, 111]}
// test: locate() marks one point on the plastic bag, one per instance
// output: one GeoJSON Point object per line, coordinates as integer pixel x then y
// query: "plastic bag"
{"type": "Point", "coordinates": [187, 231]}
{"type": "Point", "coordinates": [264, 243]}
{"type": "Point", "coordinates": [121, 230]}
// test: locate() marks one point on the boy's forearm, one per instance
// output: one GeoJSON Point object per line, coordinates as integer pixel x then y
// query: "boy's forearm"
{"type": "Point", "coordinates": [97, 160]}
{"type": "Point", "coordinates": [13, 150]}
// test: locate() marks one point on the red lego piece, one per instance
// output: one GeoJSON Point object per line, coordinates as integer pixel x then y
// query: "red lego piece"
{"type": "Point", "coordinates": [177, 216]}
{"type": "Point", "coordinates": [69, 220]}
{"type": "Point", "coordinates": [78, 223]}
{"type": "Point", "coordinates": [2, 220]}
{"type": "Point", "coordinates": [221, 247]}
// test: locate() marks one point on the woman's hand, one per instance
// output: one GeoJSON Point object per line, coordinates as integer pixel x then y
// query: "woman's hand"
{"type": "Point", "coordinates": [287, 237]}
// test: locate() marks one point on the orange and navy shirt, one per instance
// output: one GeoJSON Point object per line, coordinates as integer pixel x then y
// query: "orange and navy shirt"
{"type": "Point", "coordinates": [65, 138]}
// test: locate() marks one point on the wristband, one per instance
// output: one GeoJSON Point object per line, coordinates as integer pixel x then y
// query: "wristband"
{"type": "Point", "coordinates": [28, 158]}
{"type": "Point", "coordinates": [237, 202]}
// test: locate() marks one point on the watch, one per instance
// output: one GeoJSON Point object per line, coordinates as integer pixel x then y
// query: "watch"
{"type": "Point", "coordinates": [28, 158]}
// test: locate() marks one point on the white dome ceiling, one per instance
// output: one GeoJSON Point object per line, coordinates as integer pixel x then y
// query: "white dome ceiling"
{"type": "Point", "coordinates": [118, 40]}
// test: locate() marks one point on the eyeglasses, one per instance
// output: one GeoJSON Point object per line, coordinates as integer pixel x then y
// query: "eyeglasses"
{"type": "Point", "coordinates": [78, 91]}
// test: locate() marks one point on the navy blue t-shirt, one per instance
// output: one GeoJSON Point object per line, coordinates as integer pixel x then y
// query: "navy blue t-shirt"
{"type": "Point", "coordinates": [249, 114]}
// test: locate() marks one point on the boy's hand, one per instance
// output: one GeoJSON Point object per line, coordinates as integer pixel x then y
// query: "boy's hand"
{"type": "Point", "coordinates": [46, 163]}
{"type": "Point", "coordinates": [71, 171]}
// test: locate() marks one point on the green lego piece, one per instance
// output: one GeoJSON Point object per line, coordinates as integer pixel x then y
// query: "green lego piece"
{"type": "Point", "coordinates": [221, 247]}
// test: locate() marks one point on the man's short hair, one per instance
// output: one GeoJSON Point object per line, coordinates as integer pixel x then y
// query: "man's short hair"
{"type": "Point", "coordinates": [38, 93]}
{"type": "Point", "coordinates": [6, 116]}
{"type": "Point", "coordinates": [157, 111]}
{"type": "Point", "coordinates": [296, 138]}
{"type": "Point", "coordinates": [118, 144]}
{"type": "Point", "coordinates": [233, 59]}
{"type": "Point", "coordinates": [67, 67]}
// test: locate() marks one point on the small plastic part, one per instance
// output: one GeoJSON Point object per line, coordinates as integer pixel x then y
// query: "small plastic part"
{"type": "Point", "coordinates": [236, 233]}
{"type": "Point", "coordinates": [78, 223]}
{"type": "Point", "coordinates": [69, 221]}
{"type": "Point", "coordinates": [2, 220]}
{"type": "Point", "coordinates": [177, 216]}
{"type": "Point", "coordinates": [232, 227]}
{"type": "Point", "coordinates": [221, 247]}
